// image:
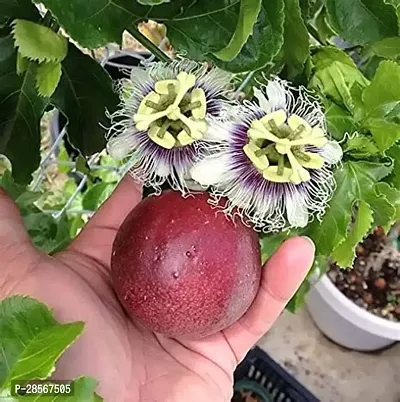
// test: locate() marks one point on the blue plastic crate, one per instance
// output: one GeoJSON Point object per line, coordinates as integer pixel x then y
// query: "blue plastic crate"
{"type": "Point", "coordinates": [259, 370]}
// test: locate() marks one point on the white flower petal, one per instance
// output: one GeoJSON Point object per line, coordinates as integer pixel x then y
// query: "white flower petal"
{"type": "Point", "coordinates": [262, 100]}
{"type": "Point", "coordinates": [296, 209]}
{"type": "Point", "coordinates": [332, 152]}
{"type": "Point", "coordinates": [276, 94]}
{"type": "Point", "coordinates": [210, 170]}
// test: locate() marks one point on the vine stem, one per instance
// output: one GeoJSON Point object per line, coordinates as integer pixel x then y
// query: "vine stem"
{"type": "Point", "coordinates": [314, 33]}
{"type": "Point", "coordinates": [149, 45]}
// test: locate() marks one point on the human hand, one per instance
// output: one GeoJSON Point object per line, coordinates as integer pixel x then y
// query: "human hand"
{"type": "Point", "coordinates": [131, 363]}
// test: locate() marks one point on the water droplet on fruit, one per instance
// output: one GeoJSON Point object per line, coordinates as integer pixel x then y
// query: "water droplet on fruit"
{"type": "Point", "coordinates": [194, 248]}
{"type": "Point", "coordinates": [175, 274]}
{"type": "Point", "coordinates": [113, 253]}
{"type": "Point", "coordinates": [188, 254]}
{"type": "Point", "coordinates": [146, 237]}
{"type": "Point", "coordinates": [144, 298]}
{"type": "Point", "coordinates": [156, 258]}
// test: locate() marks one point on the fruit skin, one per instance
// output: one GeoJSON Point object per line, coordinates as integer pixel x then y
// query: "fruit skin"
{"type": "Point", "coordinates": [183, 269]}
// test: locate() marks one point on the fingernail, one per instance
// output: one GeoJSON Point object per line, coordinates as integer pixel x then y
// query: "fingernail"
{"type": "Point", "coordinates": [310, 241]}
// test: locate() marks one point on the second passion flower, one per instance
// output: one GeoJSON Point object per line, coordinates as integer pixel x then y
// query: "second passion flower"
{"type": "Point", "coordinates": [163, 122]}
{"type": "Point", "coordinates": [276, 167]}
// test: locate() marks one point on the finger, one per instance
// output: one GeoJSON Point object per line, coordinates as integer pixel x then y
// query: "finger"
{"type": "Point", "coordinates": [282, 276]}
{"type": "Point", "coordinates": [96, 239]}
{"type": "Point", "coordinates": [13, 236]}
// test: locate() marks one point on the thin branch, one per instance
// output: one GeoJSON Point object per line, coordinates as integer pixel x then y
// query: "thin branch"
{"type": "Point", "coordinates": [149, 45]}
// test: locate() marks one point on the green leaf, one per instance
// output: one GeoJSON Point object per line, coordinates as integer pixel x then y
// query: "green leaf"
{"type": "Point", "coordinates": [360, 147]}
{"type": "Point", "coordinates": [355, 181]}
{"type": "Point", "coordinates": [335, 73]}
{"type": "Point", "coordinates": [296, 40]}
{"type": "Point", "coordinates": [83, 95]}
{"type": "Point", "coordinates": [324, 29]}
{"type": "Point", "coordinates": [339, 121]}
{"type": "Point", "coordinates": [362, 21]}
{"type": "Point", "coordinates": [298, 299]}
{"type": "Point", "coordinates": [382, 105]}
{"type": "Point", "coordinates": [82, 165]}
{"type": "Point", "coordinates": [95, 196]}
{"type": "Point", "coordinates": [385, 133]}
{"type": "Point", "coordinates": [102, 22]}
{"type": "Point", "coordinates": [394, 177]}
{"type": "Point", "coordinates": [383, 95]}
{"type": "Point", "coordinates": [249, 10]}
{"type": "Point", "coordinates": [324, 56]}
{"type": "Point", "coordinates": [22, 64]}
{"type": "Point", "coordinates": [47, 234]}
{"type": "Point", "coordinates": [21, 320]}
{"type": "Point", "coordinates": [47, 78]}
{"type": "Point", "coordinates": [38, 43]}
{"type": "Point", "coordinates": [388, 48]}
{"type": "Point", "coordinates": [153, 2]}
{"type": "Point", "coordinates": [20, 113]}
{"type": "Point", "coordinates": [19, 8]}
{"type": "Point", "coordinates": [345, 253]}
{"type": "Point", "coordinates": [265, 43]}
{"type": "Point", "coordinates": [38, 357]}
{"type": "Point", "coordinates": [393, 196]}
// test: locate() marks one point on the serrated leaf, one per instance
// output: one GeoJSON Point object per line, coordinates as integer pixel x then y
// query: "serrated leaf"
{"type": "Point", "coordinates": [345, 254]}
{"type": "Point", "coordinates": [84, 94]}
{"type": "Point", "coordinates": [22, 64]}
{"type": "Point", "coordinates": [38, 43]}
{"type": "Point", "coordinates": [248, 14]}
{"type": "Point", "coordinates": [394, 177]}
{"type": "Point", "coordinates": [296, 39]}
{"type": "Point", "coordinates": [393, 196]}
{"type": "Point", "coordinates": [388, 48]}
{"type": "Point", "coordinates": [362, 21]}
{"type": "Point", "coordinates": [47, 78]}
{"type": "Point", "coordinates": [382, 105]}
{"type": "Point", "coordinates": [37, 360]}
{"type": "Point", "coordinates": [355, 181]}
{"type": "Point", "coordinates": [20, 113]}
{"type": "Point", "coordinates": [21, 320]}
{"type": "Point", "coordinates": [360, 147]}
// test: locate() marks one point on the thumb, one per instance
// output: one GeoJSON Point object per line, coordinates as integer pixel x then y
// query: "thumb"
{"type": "Point", "coordinates": [13, 235]}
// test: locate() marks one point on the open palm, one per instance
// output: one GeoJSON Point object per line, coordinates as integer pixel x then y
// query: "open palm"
{"type": "Point", "coordinates": [131, 363]}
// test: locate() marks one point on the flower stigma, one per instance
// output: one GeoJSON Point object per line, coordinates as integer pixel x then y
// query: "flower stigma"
{"type": "Point", "coordinates": [277, 147]}
{"type": "Point", "coordinates": [173, 114]}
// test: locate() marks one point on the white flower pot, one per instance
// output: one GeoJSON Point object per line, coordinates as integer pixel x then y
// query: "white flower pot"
{"type": "Point", "coordinates": [347, 324]}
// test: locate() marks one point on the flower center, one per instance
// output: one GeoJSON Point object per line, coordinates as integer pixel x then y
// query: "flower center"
{"type": "Point", "coordinates": [174, 113]}
{"type": "Point", "coordinates": [276, 147]}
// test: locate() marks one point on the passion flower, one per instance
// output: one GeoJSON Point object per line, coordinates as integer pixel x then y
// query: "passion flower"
{"type": "Point", "coordinates": [276, 165]}
{"type": "Point", "coordinates": [163, 123]}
